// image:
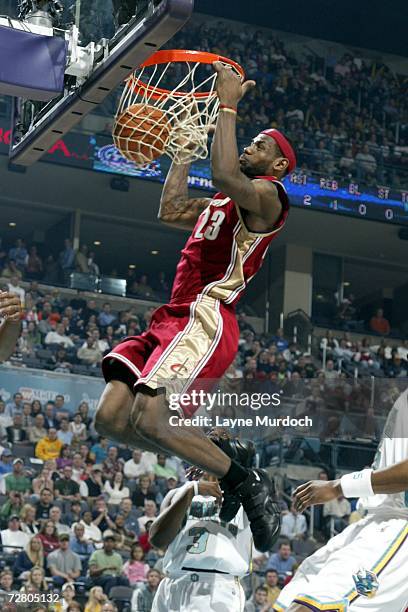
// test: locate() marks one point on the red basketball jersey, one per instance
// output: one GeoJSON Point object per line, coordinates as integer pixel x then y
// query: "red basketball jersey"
{"type": "Point", "coordinates": [222, 255]}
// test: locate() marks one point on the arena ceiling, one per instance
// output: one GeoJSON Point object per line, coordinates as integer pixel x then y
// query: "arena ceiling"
{"type": "Point", "coordinates": [372, 24]}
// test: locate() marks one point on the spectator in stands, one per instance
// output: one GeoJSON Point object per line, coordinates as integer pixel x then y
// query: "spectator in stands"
{"type": "Point", "coordinates": [81, 260]}
{"type": "Point", "coordinates": [55, 517]}
{"type": "Point", "coordinates": [130, 515]}
{"type": "Point", "coordinates": [50, 420]}
{"type": "Point", "coordinates": [50, 446]}
{"type": "Point", "coordinates": [80, 545]}
{"type": "Point", "coordinates": [150, 511]}
{"type": "Point", "coordinates": [115, 489]}
{"type": "Point", "coordinates": [42, 481]}
{"type": "Point", "coordinates": [37, 431]}
{"type": "Point", "coordinates": [5, 418]}
{"type": "Point", "coordinates": [6, 583]}
{"type": "Point", "coordinates": [96, 600]}
{"type": "Point", "coordinates": [44, 504]}
{"type": "Point", "coordinates": [136, 568]}
{"type": "Point", "coordinates": [142, 598]}
{"type": "Point", "coordinates": [6, 462]}
{"type": "Point", "coordinates": [294, 525]}
{"type": "Point", "coordinates": [92, 486]}
{"type": "Point", "coordinates": [106, 566]}
{"type": "Point", "coordinates": [100, 450]}
{"type": "Point", "coordinates": [64, 433]}
{"type": "Point", "coordinates": [31, 556]}
{"type": "Point", "coordinates": [58, 336]}
{"type": "Point", "coordinates": [379, 324]}
{"type": "Point", "coordinates": [16, 406]}
{"type": "Point", "coordinates": [337, 513]}
{"type": "Point", "coordinates": [17, 480]}
{"type": "Point", "coordinates": [92, 533]}
{"type": "Point", "coordinates": [78, 429]}
{"type": "Point", "coordinates": [63, 564]}
{"type": "Point", "coordinates": [162, 469]}
{"type": "Point", "coordinates": [143, 491]}
{"type": "Point", "coordinates": [29, 524]}
{"type": "Point", "coordinates": [283, 561]}
{"type": "Point", "coordinates": [112, 463]}
{"type": "Point", "coordinates": [106, 316]}
{"type": "Point", "coordinates": [65, 457]}
{"type": "Point", "coordinates": [78, 469]}
{"type": "Point", "coordinates": [27, 420]}
{"type": "Point", "coordinates": [34, 266]}
{"type": "Point", "coordinates": [49, 537]}
{"type": "Point", "coordinates": [68, 594]}
{"type": "Point", "coordinates": [16, 433]}
{"type": "Point", "coordinates": [138, 465]}
{"type": "Point", "coordinates": [272, 586]}
{"type": "Point", "coordinates": [13, 540]}
{"type": "Point", "coordinates": [258, 602]}
{"type": "Point", "coordinates": [67, 259]}
{"type": "Point", "coordinates": [89, 353]}
{"type": "Point", "coordinates": [12, 506]}
{"type": "Point", "coordinates": [66, 489]}
{"type": "Point", "coordinates": [36, 582]}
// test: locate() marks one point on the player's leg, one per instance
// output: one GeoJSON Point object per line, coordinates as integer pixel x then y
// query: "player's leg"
{"type": "Point", "coordinates": [112, 419]}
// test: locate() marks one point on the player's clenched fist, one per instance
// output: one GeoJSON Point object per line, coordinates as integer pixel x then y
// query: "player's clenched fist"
{"type": "Point", "coordinates": [10, 306]}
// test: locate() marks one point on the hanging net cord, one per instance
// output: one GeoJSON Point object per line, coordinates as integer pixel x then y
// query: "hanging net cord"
{"type": "Point", "coordinates": [191, 107]}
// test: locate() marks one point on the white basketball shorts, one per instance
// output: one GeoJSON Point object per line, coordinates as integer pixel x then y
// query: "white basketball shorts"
{"type": "Point", "coordinates": [324, 581]}
{"type": "Point", "coordinates": [199, 592]}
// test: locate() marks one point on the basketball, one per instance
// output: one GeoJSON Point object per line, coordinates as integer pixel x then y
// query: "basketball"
{"type": "Point", "coordinates": [141, 133]}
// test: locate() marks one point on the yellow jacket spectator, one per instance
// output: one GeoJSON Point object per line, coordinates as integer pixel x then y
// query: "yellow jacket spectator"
{"type": "Point", "coordinates": [49, 447]}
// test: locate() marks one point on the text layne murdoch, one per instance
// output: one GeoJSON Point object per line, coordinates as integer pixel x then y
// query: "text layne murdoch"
{"type": "Point", "coordinates": [257, 421]}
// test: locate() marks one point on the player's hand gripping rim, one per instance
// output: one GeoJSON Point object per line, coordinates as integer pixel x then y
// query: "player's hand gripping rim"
{"type": "Point", "coordinates": [316, 492]}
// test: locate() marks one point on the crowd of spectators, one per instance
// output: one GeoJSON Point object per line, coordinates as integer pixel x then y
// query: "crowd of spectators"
{"type": "Point", "coordinates": [76, 512]}
{"type": "Point", "coordinates": [347, 116]}
{"type": "Point", "coordinates": [22, 262]}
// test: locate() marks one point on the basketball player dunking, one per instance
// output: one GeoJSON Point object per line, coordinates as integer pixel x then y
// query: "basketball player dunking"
{"type": "Point", "coordinates": [196, 335]}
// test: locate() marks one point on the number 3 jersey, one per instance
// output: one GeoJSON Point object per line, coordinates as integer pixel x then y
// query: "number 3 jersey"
{"type": "Point", "coordinates": [206, 543]}
{"type": "Point", "coordinates": [222, 255]}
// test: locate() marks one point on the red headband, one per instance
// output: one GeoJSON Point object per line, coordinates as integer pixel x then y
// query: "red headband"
{"type": "Point", "coordinates": [284, 146]}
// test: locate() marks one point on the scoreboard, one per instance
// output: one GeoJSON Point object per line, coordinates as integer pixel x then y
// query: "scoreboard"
{"type": "Point", "coordinates": [312, 192]}
{"type": "Point", "coordinates": [380, 203]}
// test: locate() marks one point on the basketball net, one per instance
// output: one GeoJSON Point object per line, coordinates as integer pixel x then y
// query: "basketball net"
{"type": "Point", "coordinates": [191, 106]}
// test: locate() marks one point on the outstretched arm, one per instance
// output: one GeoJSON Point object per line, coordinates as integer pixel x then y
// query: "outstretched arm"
{"type": "Point", "coordinates": [256, 196]}
{"type": "Point", "coordinates": [387, 481]}
{"type": "Point", "coordinates": [176, 208]}
{"type": "Point", "coordinates": [10, 309]}
{"type": "Point", "coordinates": [174, 509]}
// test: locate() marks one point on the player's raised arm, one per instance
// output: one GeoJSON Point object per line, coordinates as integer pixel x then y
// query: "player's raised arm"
{"type": "Point", "coordinates": [10, 310]}
{"type": "Point", "coordinates": [174, 509]}
{"type": "Point", "coordinates": [176, 207]}
{"type": "Point", "coordinates": [257, 196]}
{"type": "Point", "coordinates": [357, 484]}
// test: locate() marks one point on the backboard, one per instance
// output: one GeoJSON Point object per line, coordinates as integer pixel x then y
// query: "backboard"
{"type": "Point", "coordinates": [119, 35]}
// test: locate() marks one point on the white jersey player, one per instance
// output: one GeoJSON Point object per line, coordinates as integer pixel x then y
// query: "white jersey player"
{"type": "Point", "coordinates": [364, 568]}
{"type": "Point", "coordinates": [205, 557]}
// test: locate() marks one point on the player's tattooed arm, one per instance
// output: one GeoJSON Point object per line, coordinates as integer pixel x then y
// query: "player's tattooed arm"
{"type": "Point", "coordinates": [174, 510]}
{"type": "Point", "coordinates": [10, 311]}
{"type": "Point", "coordinates": [176, 207]}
